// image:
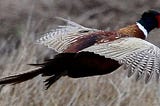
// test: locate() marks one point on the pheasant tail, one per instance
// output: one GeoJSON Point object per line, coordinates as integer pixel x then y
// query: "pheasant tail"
{"type": "Point", "coordinates": [21, 77]}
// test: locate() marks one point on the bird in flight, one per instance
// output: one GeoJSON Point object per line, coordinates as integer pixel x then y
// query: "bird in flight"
{"type": "Point", "coordinates": [84, 52]}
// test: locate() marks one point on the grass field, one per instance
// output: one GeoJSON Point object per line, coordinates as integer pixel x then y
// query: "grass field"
{"type": "Point", "coordinates": [23, 21]}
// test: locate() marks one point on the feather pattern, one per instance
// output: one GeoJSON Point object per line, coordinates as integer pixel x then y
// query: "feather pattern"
{"type": "Point", "coordinates": [61, 38]}
{"type": "Point", "coordinates": [137, 55]}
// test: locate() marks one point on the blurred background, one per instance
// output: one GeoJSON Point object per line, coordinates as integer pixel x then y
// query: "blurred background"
{"type": "Point", "coordinates": [24, 21]}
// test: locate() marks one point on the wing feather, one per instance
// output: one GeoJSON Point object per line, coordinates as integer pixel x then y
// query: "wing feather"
{"type": "Point", "coordinates": [61, 38]}
{"type": "Point", "coordinates": [136, 54]}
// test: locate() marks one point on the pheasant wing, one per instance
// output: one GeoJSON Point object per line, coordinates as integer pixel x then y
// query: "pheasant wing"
{"type": "Point", "coordinates": [61, 38]}
{"type": "Point", "coordinates": [136, 54]}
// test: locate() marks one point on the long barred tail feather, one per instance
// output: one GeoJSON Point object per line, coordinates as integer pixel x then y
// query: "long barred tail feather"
{"type": "Point", "coordinates": [52, 68]}
{"type": "Point", "coordinates": [15, 79]}
{"type": "Point", "coordinates": [21, 77]}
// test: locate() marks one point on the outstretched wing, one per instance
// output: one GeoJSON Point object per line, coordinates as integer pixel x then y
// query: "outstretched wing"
{"type": "Point", "coordinates": [136, 54]}
{"type": "Point", "coordinates": [61, 38]}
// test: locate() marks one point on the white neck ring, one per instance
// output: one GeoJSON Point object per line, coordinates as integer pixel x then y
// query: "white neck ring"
{"type": "Point", "coordinates": [142, 29]}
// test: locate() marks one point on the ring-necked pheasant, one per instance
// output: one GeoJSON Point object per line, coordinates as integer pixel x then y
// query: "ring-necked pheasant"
{"type": "Point", "coordinates": [87, 52]}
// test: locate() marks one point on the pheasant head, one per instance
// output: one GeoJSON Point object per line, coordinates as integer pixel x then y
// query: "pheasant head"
{"type": "Point", "coordinates": [149, 21]}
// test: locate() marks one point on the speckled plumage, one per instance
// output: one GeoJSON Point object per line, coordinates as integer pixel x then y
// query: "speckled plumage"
{"type": "Point", "coordinates": [132, 31]}
{"type": "Point", "coordinates": [84, 52]}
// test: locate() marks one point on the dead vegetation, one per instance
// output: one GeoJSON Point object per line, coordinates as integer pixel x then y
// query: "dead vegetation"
{"type": "Point", "coordinates": [23, 21]}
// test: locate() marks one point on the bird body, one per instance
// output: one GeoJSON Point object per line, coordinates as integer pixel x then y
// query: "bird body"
{"type": "Point", "coordinates": [84, 52]}
{"type": "Point", "coordinates": [99, 37]}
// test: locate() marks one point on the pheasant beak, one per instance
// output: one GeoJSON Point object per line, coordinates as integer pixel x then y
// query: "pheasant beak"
{"type": "Point", "coordinates": [158, 19]}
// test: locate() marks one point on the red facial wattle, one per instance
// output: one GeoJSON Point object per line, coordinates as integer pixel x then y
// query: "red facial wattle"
{"type": "Point", "coordinates": [158, 19]}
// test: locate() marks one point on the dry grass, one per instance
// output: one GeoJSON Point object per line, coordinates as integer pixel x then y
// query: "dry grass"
{"type": "Point", "coordinates": [21, 21]}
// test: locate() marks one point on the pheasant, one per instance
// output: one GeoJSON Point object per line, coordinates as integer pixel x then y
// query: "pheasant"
{"type": "Point", "coordinates": [84, 52]}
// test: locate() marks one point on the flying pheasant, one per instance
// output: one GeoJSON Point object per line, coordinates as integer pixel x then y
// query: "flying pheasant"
{"type": "Point", "coordinates": [84, 52]}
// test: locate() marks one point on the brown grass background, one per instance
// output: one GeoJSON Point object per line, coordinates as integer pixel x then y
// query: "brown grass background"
{"type": "Point", "coordinates": [23, 21]}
